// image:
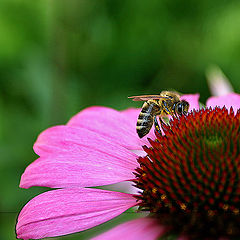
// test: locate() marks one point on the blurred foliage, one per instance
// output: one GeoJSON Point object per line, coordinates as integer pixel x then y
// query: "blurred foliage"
{"type": "Point", "coordinates": [58, 57]}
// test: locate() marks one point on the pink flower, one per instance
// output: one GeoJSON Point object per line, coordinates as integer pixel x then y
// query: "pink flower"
{"type": "Point", "coordinates": [99, 146]}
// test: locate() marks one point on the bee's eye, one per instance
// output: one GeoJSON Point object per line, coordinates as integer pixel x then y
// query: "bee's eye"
{"type": "Point", "coordinates": [179, 108]}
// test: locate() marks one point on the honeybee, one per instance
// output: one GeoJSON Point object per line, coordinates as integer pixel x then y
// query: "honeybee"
{"type": "Point", "coordinates": [167, 103]}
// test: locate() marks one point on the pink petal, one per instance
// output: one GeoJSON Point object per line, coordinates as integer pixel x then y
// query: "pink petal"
{"type": "Point", "coordinates": [192, 99]}
{"type": "Point", "coordinates": [229, 100]}
{"type": "Point", "coordinates": [64, 171]}
{"type": "Point", "coordinates": [131, 114]}
{"type": "Point", "coordinates": [142, 228]}
{"type": "Point", "coordinates": [66, 211]}
{"type": "Point", "coordinates": [109, 123]}
{"type": "Point", "coordinates": [73, 157]}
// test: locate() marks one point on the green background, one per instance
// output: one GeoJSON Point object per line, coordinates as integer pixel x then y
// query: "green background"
{"type": "Point", "coordinates": [58, 57]}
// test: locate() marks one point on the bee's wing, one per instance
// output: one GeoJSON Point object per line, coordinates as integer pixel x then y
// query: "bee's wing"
{"type": "Point", "coordinates": [146, 97]}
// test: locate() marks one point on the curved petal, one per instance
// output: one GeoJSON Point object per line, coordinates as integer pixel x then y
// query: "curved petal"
{"type": "Point", "coordinates": [66, 211]}
{"type": "Point", "coordinates": [73, 157]}
{"type": "Point", "coordinates": [142, 228]}
{"type": "Point", "coordinates": [109, 123]}
{"type": "Point", "coordinates": [229, 100]}
{"type": "Point", "coordinates": [131, 114]}
{"type": "Point", "coordinates": [65, 139]}
{"type": "Point", "coordinates": [192, 99]}
{"type": "Point", "coordinates": [89, 168]}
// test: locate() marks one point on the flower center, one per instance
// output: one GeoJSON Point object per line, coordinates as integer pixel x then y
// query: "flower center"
{"type": "Point", "coordinates": [213, 141]}
{"type": "Point", "coordinates": [190, 178]}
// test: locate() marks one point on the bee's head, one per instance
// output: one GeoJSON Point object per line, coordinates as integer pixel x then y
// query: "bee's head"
{"type": "Point", "coordinates": [182, 107]}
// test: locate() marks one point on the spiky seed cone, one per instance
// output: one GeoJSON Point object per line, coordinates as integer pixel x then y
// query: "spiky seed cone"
{"type": "Point", "coordinates": [190, 178]}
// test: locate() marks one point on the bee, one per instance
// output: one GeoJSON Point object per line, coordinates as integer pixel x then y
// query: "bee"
{"type": "Point", "coordinates": [167, 103]}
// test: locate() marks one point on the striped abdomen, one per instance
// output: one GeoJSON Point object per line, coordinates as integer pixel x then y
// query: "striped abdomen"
{"type": "Point", "coordinates": [146, 116]}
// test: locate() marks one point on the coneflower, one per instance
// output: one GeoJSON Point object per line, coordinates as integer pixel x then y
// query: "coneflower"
{"type": "Point", "coordinates": [188, 178]}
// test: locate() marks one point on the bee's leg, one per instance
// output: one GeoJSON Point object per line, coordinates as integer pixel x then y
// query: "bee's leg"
{"type": "Point", "coordinates": [175, 115]}
{"type": "Point", "coordinates": [164, 126]}
{"type": "Point", "coordinates": [157, 127]}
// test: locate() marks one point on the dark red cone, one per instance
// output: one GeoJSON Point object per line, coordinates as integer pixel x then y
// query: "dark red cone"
{"type": "Point", "coordinates": [190, 178]}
